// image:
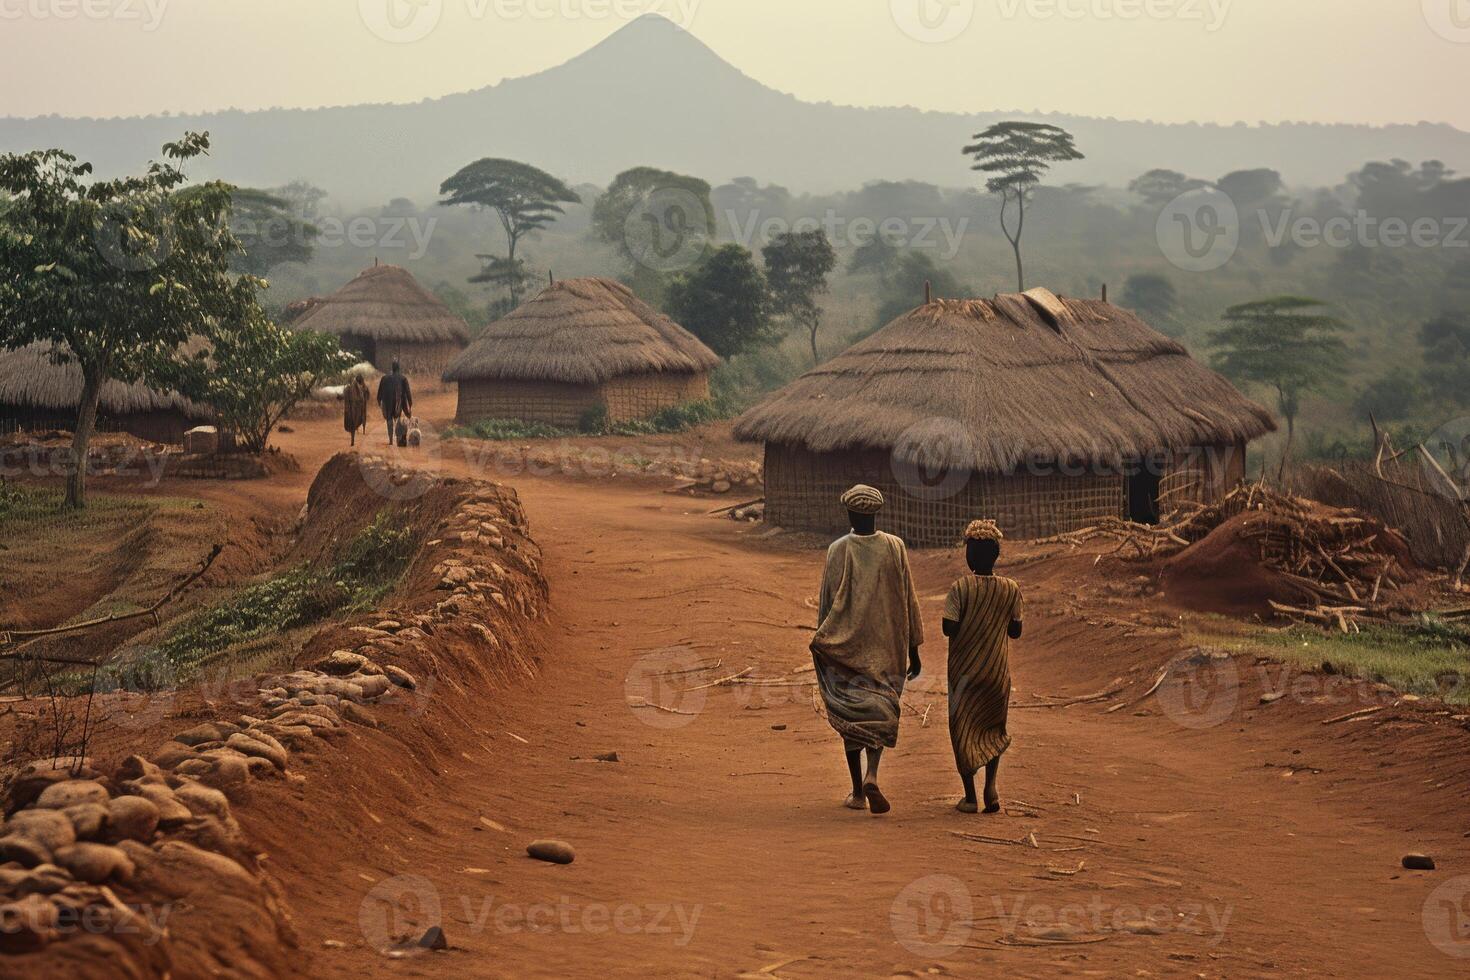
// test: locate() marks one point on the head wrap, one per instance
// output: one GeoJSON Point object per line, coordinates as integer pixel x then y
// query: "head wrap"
{"type": "Point", "coordinates": [984, 531]}
{"type": "Point", "coordinates": [863, 499]}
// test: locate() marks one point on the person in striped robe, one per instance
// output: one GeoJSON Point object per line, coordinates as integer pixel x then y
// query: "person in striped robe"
{"type": "Point", "coordinates": [982, 614]}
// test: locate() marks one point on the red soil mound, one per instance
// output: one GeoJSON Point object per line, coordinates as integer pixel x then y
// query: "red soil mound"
{"type": "Point", "coordinates": [1224, 573]}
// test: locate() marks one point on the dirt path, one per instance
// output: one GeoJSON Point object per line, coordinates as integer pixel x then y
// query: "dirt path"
{"type": "Point", "coordinates": [715, 845]}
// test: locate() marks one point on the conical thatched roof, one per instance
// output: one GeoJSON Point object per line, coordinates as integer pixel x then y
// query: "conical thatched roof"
{"type": "Point", "coordinates": [29, 377]}
{"type": "Point", "coordinates": [1020, 377]}
{"type": "Point", "coordinates": [581, 331]}
{"type": "Point", "coordinates": [387, 304]}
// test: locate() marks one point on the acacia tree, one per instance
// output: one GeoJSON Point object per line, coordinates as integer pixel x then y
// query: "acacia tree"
{"type": "Point", "coordinates": [113, 276]}
{"type": "Point", "coordinates": [269, 230]}
{"type": "Point", "coordinates": [1285, 343]}
{"type": "Point", "coordinates": [525, 198]}
{"type": "Point", "coordinates": [1017, 155]}
{"type": "Point", "coordinates": [797, 266]}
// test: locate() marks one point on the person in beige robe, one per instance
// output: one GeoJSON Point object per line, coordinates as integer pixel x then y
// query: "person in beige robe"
{"type": "Point", "coordinates": [867, 642]}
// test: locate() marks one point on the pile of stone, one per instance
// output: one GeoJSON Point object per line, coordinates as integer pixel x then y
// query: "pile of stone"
{"type": "Point", "coordinates": [75, 837]}
{"type": "Point", "coordinates": [722, 477]}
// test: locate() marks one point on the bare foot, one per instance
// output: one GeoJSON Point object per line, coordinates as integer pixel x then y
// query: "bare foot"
{"type": "Point", "coordinates": [992, 802]}
{"type": "Point", "coordinates": [855, 802]}
{"type": "Point", "coordinates": [877, 802]}
{"type": "Point", "coordinates": [967, 806]}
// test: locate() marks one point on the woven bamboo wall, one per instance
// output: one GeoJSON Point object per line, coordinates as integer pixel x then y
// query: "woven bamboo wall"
{"type": "Point", "coordinates": [803, 491]}
{"type": "Point", "coordinates": [637, 396]}
{"type": "Point", "coordinates": [631, 396]}
{"type": "Point", "coordinates": [424, 364]}
{"type": "Point", "coordinates": [165, 427]}
{"type": "Point", "coordinates": [535, 401]}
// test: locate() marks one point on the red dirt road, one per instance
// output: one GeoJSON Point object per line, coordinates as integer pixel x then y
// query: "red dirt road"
{"type": "Point", "coordinates": [715, 845]}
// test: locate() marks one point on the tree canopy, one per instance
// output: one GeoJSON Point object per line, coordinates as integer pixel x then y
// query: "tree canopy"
{"type": "Point", "coordinates": [1286, 343]}
{"type": "Point", "coordinates": [724, 302]}
{"type": "Point", "coordinates": [659, 223]}
{"type": "Point", "coordinates": [115, 275]}
{"type": "Point", "coordinates": [525, 198]}
{"type": "Point", "coordinates": [797, 267]}
{"type": "Point", "coordinates": [1016, 155]}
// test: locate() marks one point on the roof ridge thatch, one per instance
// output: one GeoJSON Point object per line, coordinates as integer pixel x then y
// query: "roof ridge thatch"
{"type": "Point", "coordinates": [1024, 376]}
{"type": "Point", "coordinates": [581, 331]}
{"type": "Point", "coordinates": [386, 303]}
{"type": "Point", "coordinates": [31, 377]}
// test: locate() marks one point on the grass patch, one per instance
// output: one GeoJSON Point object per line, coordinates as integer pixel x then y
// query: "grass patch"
{"type": "Point", "coordinates": [26, 510]}
{"type": "Point", "coordinates": [365, 570]}
{"type": "Point", "coordinates": [1429, 657]}
{"type": "Point", "coordinates": [594, 422]}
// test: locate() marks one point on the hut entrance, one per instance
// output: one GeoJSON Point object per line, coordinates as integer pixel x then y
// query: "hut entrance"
{"type": "Point", "coordinates": [1143, 494]}
{"type": "Point", "coordinates": [364, 347]}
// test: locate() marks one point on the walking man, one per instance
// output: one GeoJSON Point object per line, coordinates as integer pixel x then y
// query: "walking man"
{"type": "Point", "coordinates": [867, 642]}
{"type": "Point", "coordinates": [395, 398]}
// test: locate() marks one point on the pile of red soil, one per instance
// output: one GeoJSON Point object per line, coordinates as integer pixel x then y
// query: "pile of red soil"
{"type": "Point", "coordinates": [1224, 573]}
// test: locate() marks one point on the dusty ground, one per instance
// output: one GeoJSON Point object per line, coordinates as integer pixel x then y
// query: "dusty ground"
{"type": "Point", "coordinates": [1194, 832]}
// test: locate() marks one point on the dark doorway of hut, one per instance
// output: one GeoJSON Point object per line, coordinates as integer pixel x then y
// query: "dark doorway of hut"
{"type": "Point", "coordinates": [1143, 495]}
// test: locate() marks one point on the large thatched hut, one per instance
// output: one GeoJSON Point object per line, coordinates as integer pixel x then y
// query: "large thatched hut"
{"type": "Point", "coordinates": [1043, 413]}
{"type": "Point", "coordinates": [36, 392]}
{"type": "Point", "coordinates": [385, 315]}
{"type": "Point", "coordinates": [579, 346]}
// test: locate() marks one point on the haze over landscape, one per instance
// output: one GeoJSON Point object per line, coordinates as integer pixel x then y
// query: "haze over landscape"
{"type": "Point", "coordinates": [655, 93]}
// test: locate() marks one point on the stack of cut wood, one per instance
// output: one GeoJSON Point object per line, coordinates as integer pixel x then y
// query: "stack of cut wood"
{"type": "Point", "coordinates": [1347, 564]}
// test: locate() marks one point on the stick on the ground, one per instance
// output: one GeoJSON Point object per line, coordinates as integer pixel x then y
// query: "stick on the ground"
{"type": "Point", "coordinates": [8, 637]}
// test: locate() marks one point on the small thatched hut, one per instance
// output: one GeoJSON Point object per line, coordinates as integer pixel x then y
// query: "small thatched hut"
{"type": "Point", "coordinates": [1045, 414]}
{"type": "Point", "coordinates": [580, 345]}
{"type": "Point", "coordinates": [38, 393]}
{"type": "Point", "coordinates": [385, 315]}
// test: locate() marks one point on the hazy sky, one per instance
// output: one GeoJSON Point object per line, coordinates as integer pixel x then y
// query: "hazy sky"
{"type": "Point", "coordinates": [1370, 61]}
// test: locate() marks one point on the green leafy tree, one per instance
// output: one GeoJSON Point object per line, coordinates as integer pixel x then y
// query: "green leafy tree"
{"type": "Point", "coordinates": [1159, 187]}
{"type": "Point", "coordinates": [511, 275]}
{"type": "Point", "coordinates": [723, 301]}
{"type": "Point", "coordinates": [254, 372]}
{"type": "Point", "coordinates": [797, 267]}
{"type": "Point", "coordinates": [877, 256]}
{"type": "Point", "coordinates": [1153, 296]}
{"type": "Point", "coordinates": [269, 230]}
{"type": "Point", "coordinates": [1446, 340]}
{"type": "Point", "coordinates": [1284, 343]}
{"type": "Point", "coordinates": [916, 274]}
{"type": "Point", "coordinates": [659, 222]}
{"type": "Point", "coordinates": [525, 198]}
{"type": "Point", "coordinates": [1390, 398]}
{"type": "Point", "coordinates": [1017, 155]}
{"type": "Point", "coordinates": [114, 275]}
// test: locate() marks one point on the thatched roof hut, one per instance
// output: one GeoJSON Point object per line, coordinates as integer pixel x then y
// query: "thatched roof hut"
{"type": "Point", "coordinates": [385, 315]}
{"type": "Point", "coordinates": [1044, 413]}
{"type": "Point", "coordinates": [579, 345]}
{"type": "Point", "coordinates": [37, 392]}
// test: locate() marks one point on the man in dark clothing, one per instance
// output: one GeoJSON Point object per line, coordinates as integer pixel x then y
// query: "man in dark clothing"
{"type": "Point", "coordinates": [395, 398]}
